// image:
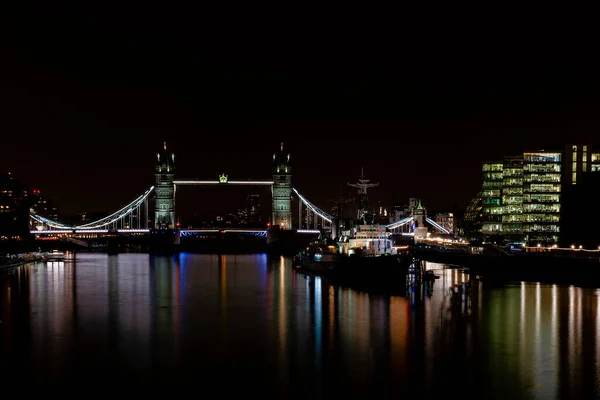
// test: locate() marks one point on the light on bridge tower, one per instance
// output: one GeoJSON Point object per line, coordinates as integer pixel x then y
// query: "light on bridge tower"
{"type": "Point", "coordinates": [164, 215]}
{"type": "Point", "coordinates": [282, 190]}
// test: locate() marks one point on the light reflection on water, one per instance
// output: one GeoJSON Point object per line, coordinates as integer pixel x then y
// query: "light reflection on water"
{"type": "Point", "coordinates": [255, 323]}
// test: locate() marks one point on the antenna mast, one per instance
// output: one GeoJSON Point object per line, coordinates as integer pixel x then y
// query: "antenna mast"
{"type": "Point", "coordinates": [362, 185]}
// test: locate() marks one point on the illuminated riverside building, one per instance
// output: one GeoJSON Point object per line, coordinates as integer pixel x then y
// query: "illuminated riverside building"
{"type": "Point", "coordinates": [543, 197]}
{"type": "Point", "coordinates": [521, 197]}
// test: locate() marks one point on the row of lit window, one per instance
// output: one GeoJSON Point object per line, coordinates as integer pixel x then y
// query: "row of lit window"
{"type": "Point", "coordinates": [595, 157]}
{"type": "Point", "coordinates": [512, 201]}
{"type": "Point", "coordinates": [541, 217]}
{"type": "Point", "coordinates": [490, 193]}
{"type": "Point", "coordinates": [508, 172]}
{"type": "Point", "coordinates": [541, 198]}
{"type": "Point", "coordinates": [513, 182]}
{"type": "Point", "coordinates": [492, 184]}
{"type": "Point", "coordinates": [492, 176]}
{"type": "Point", "coordinates": [540, 228]}
{"type": "Point", "coordinates": [541, 157]}
{"type": "Point", "coordinates": [521, 229]}
{"type": "Point", "coordinates": [512, 191]}
{"type": "Point", "coordinates": [493, 210]}
{"type": "Point", "coordinates": [541, 207]}
{"type": "Point", "coordinates": [528, 216]}
{"type": "Point", "coordinates": [512, 218]}
{"type": "Point", "coordinates": [542, 178]}
{"type": "Point", "coordinates": [542, 189]}
{"type": "Point", "coordinates": [492, 167]}
{"type": "Point", "coordinates": [542, 168]}
{"type": "Point", "coordinates": [492, 201]}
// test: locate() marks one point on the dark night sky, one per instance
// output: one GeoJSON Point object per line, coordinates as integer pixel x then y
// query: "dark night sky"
{"type": "Point", "coordinates": [89, 95]}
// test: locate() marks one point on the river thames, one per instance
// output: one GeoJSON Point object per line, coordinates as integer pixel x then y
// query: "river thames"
{"type": "Point", "coordinates": [251, 324]}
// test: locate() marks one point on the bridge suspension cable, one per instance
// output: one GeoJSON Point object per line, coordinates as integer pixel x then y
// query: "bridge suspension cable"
{"type": "Point", "coordinates": [326, 216]}
{"type": "Point", "coordinates": [436, 225]}
{"type": "Point", "coordinates": [399, 223]}
{"type": "Point", "coordinates": [111, 219]}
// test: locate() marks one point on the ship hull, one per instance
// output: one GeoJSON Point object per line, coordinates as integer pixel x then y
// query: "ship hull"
{"type": "Point", "coordinates": [365, 271]}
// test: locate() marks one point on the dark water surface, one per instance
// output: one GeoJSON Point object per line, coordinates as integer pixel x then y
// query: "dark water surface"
{"type": "Point", "coordinates": [251, 325]}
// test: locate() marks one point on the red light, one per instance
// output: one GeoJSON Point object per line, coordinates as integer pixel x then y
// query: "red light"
{"type": "Point", "coordinates": [268, 224]}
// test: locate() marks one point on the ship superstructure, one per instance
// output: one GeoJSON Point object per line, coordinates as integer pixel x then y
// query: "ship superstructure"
{"type": "Point", "coordinates": [366, 237]}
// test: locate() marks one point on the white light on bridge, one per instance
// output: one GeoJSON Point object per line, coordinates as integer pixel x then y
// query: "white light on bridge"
{"type": "Point", "coordinates": [217, 182]}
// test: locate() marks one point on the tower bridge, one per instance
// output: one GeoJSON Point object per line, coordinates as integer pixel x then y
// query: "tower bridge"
{"type": "Point", "coordinates": [137, 218]}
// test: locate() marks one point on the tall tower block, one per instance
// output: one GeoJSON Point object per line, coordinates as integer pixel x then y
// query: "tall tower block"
{"type": "Point", "coordinates": [282, 190]}
{"type": "Point", "coordinates": [164, 172]}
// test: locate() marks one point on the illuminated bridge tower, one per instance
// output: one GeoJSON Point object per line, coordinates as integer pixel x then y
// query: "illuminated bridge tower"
{"type": "Point", "coordinates": [164, 215]}
{"type": "Point", "coordinates": [282, 190]}
{"type": "Point", "coordinates": [419, 218]}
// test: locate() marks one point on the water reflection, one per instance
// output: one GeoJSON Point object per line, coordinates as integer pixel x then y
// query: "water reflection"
{"type": "Point", "coordinates": [253, 320]}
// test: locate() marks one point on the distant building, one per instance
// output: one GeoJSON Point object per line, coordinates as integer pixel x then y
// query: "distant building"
{"type": "Point", "coordinates": [86, 217]}
{"type": "Point", "coordinates": [445, 219]}
{"type": "Point", "coordinates": [253, 210]}
{"type": "Point", "coordinates": [14, 208]}
{"type": "Point", "coordinates": [308, 219]}
{"type": "Point", "coordinates": [250, 214]}
{"type": "Point", "coordinates": [43, 206]}
{"type": "Point", "coordinates": [402, 210]}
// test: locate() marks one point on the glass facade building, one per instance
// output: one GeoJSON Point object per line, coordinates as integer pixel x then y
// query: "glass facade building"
{"type": "Point", "coordinates": [541, 197]}
{"type": "Point", "coordinates": [521, 196]}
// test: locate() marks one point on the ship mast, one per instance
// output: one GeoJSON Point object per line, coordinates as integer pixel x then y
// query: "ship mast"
{"type": "Point", "coordinates": [362, 185]}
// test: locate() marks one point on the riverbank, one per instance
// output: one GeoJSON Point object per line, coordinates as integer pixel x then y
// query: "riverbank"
{"type": "Point", "coordinates": [538, 267]}
{"type": "Point", "coordinates": [14, 260]}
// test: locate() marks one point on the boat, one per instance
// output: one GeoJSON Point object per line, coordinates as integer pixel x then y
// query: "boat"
{"type": "Point", "coordinates": [54, 255]}
{"type": "Point", "coordinates": [362, 252]}
{"type": "Point", "coordinates": [317, 257]}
